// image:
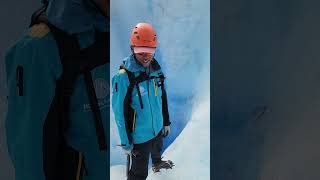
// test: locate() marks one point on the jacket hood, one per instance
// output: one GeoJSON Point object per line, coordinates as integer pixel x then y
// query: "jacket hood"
{"type": "Point", "coordinates": [77, 17]}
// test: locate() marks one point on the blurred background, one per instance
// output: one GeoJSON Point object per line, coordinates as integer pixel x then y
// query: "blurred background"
{"type": "Point", "coordinates": [266, 81]}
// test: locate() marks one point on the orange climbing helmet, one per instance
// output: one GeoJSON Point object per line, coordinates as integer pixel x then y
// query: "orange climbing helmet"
{"type": "Point", "coordinates": [143, 35]}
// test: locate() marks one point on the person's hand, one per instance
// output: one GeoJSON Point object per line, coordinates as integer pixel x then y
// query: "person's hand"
{"type": "Point", "coordinates": [166, 131]}
{"type": "Point", "coordinates": [127, 149]}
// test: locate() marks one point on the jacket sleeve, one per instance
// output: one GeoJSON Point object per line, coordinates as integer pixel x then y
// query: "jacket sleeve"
{"type": "Point", "coordinates": [165, 111]}
{"type": "Point", "coordinates": [40, 66]}
{"type": "Point", "coordinates": [120, 83]}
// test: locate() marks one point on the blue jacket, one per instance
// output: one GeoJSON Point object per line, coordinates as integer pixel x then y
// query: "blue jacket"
{"type": "Point", "coordinates": [149, 120]}
{"type": "Point", "coordinates": [37, 52]}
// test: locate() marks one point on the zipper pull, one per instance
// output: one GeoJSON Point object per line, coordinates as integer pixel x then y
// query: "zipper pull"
{"type": "Point", "coordinates": [155, 88]}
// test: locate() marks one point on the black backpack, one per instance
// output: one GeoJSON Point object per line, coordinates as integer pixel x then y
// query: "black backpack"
{"type": "Point", "coordinates": [60, 161]}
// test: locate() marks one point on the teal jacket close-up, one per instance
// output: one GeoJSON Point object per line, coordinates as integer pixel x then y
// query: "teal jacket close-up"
{"type": "Point", "coordinates": [26, 114]}
{"type": "Point", "coordinates": [36, 51]}
{"type": "Point", "coordinates": [148, 122]}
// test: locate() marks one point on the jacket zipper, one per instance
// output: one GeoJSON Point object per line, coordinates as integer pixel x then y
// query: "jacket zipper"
{"type": "Point", "coordinates": [155, 88]}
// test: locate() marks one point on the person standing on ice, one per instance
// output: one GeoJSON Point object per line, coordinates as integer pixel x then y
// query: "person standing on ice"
{"type": "Point", "coordinates": [139, 102]}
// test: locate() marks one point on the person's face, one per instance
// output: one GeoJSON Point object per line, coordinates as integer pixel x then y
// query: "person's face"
{"type": "Point", "coordinates": [103, 5]}
{"type": "Point", "coordinates": [144, 58]}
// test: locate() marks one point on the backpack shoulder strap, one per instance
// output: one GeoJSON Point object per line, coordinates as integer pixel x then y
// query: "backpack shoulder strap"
{"type": "Point", "coordinates": [70, 53]}
{"type": "Point", "coordinates": [164, 98]}
{"type": "Point", "coordinates": [75, 62]}
{"type": "Point", "coordinates": [95, 110]}
{"type": "Point", "coordinates": [127, 110]}
{"type": "Point", "coordinates": [134, 82]}
{"type": "Point", "coordinates": [130, 74]}
{"type": "Point", "coordinates": [39, 16]}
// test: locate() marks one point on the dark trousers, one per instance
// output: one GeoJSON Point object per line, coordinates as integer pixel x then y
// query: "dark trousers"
{"type": "Point", "coordinates": [140, 157]}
